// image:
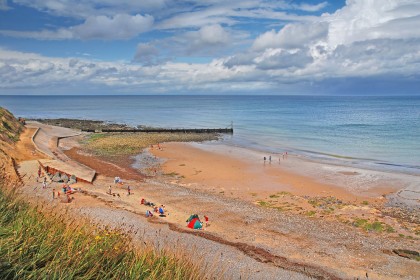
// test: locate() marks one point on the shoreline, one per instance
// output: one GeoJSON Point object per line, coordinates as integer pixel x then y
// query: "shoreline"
{"type": "Point", "coordinates": [309, 155]}
{"type": "Point", "coordinates": [329, 158]}
{"type": "Point", "coordinates": [321, 172]}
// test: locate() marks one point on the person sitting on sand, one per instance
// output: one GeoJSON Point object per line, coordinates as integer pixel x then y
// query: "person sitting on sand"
{"type": "Point", "coordinates": [149, 214]}
{"type": "Point", "coordinates": [142, 201]}
{"type": "Point", "coordinates": [156, 209]}
{"type": "Point", "coordinates": [161, 211]}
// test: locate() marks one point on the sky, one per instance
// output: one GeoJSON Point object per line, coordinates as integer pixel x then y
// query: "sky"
{"type": "Point", "coordinates": [360, 47]}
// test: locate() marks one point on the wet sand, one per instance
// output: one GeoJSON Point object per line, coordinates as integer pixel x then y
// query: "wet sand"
{"type": "Point", "coordinates": [243, 172]}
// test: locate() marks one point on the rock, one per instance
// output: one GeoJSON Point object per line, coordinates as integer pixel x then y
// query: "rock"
{"type": "Point", "coordinates": [56, 177]}
{"type": "Point", "coordinates": [410, 254]}
{"type": "Point", "coordinates": [64, 178]}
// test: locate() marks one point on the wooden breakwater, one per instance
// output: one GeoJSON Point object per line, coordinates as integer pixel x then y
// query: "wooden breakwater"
{"type": "Point", "coordinates": [167, 130]}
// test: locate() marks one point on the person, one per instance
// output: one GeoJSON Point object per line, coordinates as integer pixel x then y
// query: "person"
{"type": "Point", "coordinates": [128, 190]}
{"type": "Point", "coordinates": [149, 214]}
{"type": "Point", "coordinates": [44, 184]}
{"type": "Point", "coordinates": [269, 159]}
{"type": "Point", "coordinates": [161, 211]}
{"type": "Point", "coordinates": [53, 193]}
{"type": "Point", "coordinates": [110, 189]}
{"type": "Point", "coordinates": [264, 159]}
{"type": "Point", "coordinates": [142, 201]}
{"type": "Point", "coordinates": [39, 172]}
{"type": "Point", "coordinates": [207, 220]}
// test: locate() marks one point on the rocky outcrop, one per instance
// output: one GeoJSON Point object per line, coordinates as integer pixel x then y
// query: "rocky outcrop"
{"type": "Point", "coordinates": [56, 177]}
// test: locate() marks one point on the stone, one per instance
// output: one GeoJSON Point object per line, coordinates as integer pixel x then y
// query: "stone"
{"type": "Point", "coordinates": [56, 177]}
{"type": "Point", "coordinates": [409, 254]}
{"type": "Point", "coordinates": [64, 178]}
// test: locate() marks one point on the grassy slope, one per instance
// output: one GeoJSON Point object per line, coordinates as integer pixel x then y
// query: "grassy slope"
{"type": "Point", "coordinates": [70, 251]}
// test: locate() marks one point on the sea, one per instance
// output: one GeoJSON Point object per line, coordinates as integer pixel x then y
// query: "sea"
{"type": "Point", "coordinates": [378, 132]}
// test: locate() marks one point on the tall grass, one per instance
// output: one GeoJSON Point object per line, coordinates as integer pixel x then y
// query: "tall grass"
{"type": "Point", "coordinates": [36, 245]}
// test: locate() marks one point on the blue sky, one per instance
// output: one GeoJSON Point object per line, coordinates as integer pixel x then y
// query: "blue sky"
{"type": "Point", "coordinates": [209, 47]}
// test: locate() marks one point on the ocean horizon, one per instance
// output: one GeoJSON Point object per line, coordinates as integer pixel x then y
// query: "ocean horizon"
{"type": "Point", "coordinates": [380, 132]}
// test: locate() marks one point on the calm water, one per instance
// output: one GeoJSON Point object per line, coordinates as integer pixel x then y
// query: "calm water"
{"type": "Point", "coordinates": [377, 131]}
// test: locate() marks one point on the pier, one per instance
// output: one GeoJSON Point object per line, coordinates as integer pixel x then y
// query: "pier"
{"type": "Point", "coordinates": [166, 130]}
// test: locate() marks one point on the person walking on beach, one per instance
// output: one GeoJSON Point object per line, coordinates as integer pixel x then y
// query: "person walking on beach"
{"type": "Point", "coordinates": [53, 193]}
{"type": "Point", "coordinates": [269, 159]}
{"type": "Point", "coordinates": [206, 218]}
{"type": "Point", "coordinates": [128, 190]}
{"type": "Point", "coordinates": [110, 189]}
{"type": "Point", "coordinates": [265, 159]}
{"type": "Point", "coordinates": [39, 172]}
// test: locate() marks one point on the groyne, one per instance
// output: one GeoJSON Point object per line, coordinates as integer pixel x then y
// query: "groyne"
{"type": "Point", "coordinates": [166, 130]}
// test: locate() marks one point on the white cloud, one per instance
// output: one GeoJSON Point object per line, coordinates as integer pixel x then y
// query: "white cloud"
{"type": "Point", "coordinates": [311, 8]}
{"type": "Point", "coordinates": [86, 8]}
{"type": "Point", "coordinates": [295, 35]}
{"type": "Point", "coordinates": [120, 26]}
{"type": "Point", "coordinates": [283, 59]}
{"type": "Point", "coordinates": [3, 5]}
{"type": "Point", "coordinates": [146, 53]}
{"type": "Point", "coordinates": [374, 19]}
{"type": "Point", "coordinates": [375, 39]}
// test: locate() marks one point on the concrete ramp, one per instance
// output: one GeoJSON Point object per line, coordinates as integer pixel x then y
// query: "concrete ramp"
{"type": "Point", "coordinates": [82, 173]}
{"type": "Point", "coordinates": [46, 140]}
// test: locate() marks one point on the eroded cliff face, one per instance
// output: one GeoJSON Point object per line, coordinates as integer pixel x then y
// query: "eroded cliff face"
{"type": "Point", "coordinates": [10, 129]}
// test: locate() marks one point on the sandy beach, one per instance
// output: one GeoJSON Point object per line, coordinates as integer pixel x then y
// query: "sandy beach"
{"type": "Point", "coordinates": [289, 220]}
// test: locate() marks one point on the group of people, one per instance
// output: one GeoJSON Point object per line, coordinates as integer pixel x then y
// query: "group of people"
{"type": "Point", "coordinates": [156, 210]}
{"type": "Point", "coordinates": [283, 155]}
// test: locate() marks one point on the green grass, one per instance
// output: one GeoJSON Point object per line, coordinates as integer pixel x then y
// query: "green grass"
{"type": "Point", "coordinates": [95, 136]}
{"type": "Point", "coordinates": [310, 213]}
{"type": "Point", "coordinates": [264, 203]}
{"type": "Point", "coordinates": [38, 246]}
{"type": "Point", "coordinates": [375, 226]}
{"type": "Point", "coordinates": [172, 174]}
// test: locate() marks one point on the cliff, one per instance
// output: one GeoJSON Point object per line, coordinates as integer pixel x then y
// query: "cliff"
{"type": "Point", "coordinates": [10, 129]}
